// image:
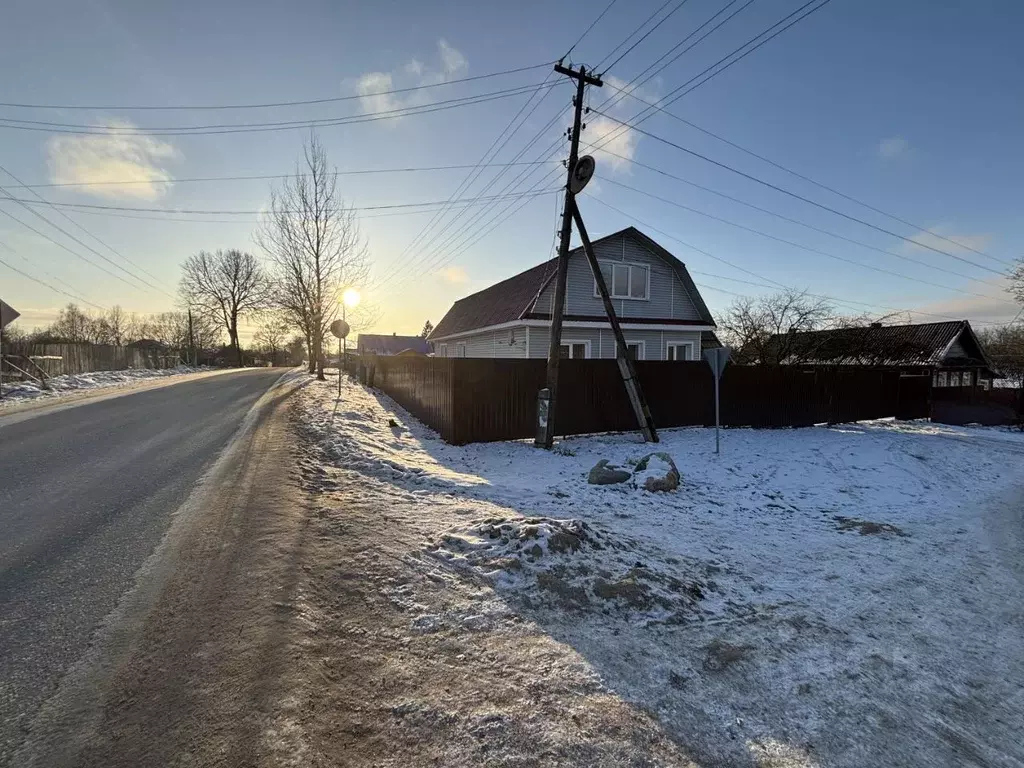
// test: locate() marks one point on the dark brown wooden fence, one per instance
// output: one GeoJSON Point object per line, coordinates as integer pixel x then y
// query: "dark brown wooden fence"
{"type": "Point", "coordinates": [973, 405]}
{"type": "Point", "coordinates": [479, 400]}
{"type": "Point", "coordinates": [60, 359]}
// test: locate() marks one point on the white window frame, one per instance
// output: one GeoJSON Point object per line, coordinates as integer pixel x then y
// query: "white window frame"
{"type": "Point", "coordinates": [460, 349]}
{"type": "Point", "coordinates": [642, 353]}
{"type": "Point", "coordinates": [629, 282]}
{"type": "Point", "coordinates": [570, 342]}
{"type": "Point", "coordinates": [443, 349]}
{"type": "Point", "coordinates": [677, 344]}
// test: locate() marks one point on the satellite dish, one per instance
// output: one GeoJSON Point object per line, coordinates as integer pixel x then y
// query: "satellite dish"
{"type": "Point", "coordinates": [340, 329]}
{"type": "Point", "coordinates": [582, 172]}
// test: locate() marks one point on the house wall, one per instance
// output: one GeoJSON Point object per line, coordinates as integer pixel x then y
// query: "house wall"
{"type": "Point", "coordinates": [668, 298]}
{"type": "Point", "coordinates": [956, 350]}
{"type": "Point", "coordinates": [602, 340]}
{"type": "Point", "coordinates": [487, 344]}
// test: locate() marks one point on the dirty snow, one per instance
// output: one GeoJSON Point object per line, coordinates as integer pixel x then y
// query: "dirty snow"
{"type": "Point", "coordinates": [18, 392]}
{"type": "Point", "coordinates": [841, 596]}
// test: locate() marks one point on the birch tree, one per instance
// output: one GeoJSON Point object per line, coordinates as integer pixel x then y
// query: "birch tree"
{"type": "Point", "coordinates": [312, 238]}
{"type": "Point", "coordinates": [226, 286]}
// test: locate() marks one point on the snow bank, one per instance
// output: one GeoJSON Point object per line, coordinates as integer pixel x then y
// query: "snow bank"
{"type": "Point", "coordinates": [61, 386]}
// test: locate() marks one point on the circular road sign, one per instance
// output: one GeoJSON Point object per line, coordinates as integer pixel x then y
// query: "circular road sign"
{"type": "Point", "coordinates": [340, 328]}
{"type": "Point", "coordinates": [582, 172]}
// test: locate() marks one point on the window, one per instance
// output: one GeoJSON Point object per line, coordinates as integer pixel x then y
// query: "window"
{"type": "Point", "coordinates": [575, 350]}
{"type": "Point", "coordinates": [625, 281]}
{"type": "Point", "coordinates": [942, 379]}
{"type": "Point", "coordinates": [954, 379]}
{"type": "Point", "coordinates": [635, 349]}
{"type": "Point", "coordinates": [460, 349]}
{"type": "Point", "coordinates": [442, 350]}
{"type": "Point", "coordinates": [680, 351]}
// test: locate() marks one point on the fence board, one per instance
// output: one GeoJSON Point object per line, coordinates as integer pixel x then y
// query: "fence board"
{"type": "Point", "coordinates": [87, 358]}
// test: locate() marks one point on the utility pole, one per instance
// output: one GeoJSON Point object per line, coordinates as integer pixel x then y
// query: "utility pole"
{"type": "Point", "coordinates": [546, 425]}
{"type": "Point", "coordinates": [191, 338]}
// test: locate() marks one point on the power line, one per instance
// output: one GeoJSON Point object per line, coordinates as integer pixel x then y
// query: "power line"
{"type": "Point", "coordinates": [265, 177]}
{"type": "Point", "coordinates": [643, 37]}
{"type": "Point", "coordinates": [807, 248]}
{"type": "Point", "coordinates": [173, 218]}
{"type": "Point", "coordinates": [50, 276]}
{"type": "Point", "coordinates": [587, 30]}
{"type": "Point", "coordinates": [782, 217]}
{"type": "Point", "coordinates": [60, 245]}
{"type": "Point", "coordinates": [87, 232]}
{"type": "Point", "coordinates": [795, 195]}
{"type": "Point", "coordinates": [630, 35]}
{"type": "Point", "coordinates": [213, 130]}
{"type": "Point", "coordinates": [488, 227]}
{"type": "Point", "coordinates": [775, 283]}
{"type": "Point", "coordinates": [307, 102]}
{"type": "Point", "coordinates": [54, 288]}
{"type": "Point", "coordinates": [500, 141]}
{"type": "Point", "coordinates": [808, 179]}
{"type": "Point", "coordinates": [96, 206]}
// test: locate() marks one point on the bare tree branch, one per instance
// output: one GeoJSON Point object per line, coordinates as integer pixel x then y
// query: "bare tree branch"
{"type": "Point", "coordinates": [313, 239]}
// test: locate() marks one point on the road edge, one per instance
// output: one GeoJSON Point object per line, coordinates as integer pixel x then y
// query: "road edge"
{"type": "Point", "coordinates": [60, 728]}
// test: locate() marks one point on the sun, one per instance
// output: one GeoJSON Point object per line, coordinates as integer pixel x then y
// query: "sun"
{"type": "Point", "coordinates": [350, 297]}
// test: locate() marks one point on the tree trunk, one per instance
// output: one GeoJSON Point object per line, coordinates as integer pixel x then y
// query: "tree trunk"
{"type": "Point", "coordinates": [318, 346]}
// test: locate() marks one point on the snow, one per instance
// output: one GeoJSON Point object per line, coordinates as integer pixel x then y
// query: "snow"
{"type": "Point", "coordinates": [18, 392]}
{"type": "Point", "coordinates": [843, 596]}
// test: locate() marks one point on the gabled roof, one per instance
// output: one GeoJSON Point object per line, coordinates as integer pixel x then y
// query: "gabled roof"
{"type": "Point", "coordinates": [384, 344]}
{"type": "Point", "coordinates": [923, 344]}
{"type": "Point", "coordinates": [514, 298]}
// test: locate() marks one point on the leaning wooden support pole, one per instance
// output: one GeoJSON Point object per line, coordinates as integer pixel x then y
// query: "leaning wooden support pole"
{"type": "Point", "coordinates": [626, 367]}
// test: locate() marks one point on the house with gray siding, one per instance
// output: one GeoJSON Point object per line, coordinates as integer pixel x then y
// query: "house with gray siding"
{"type": "Point", "coordinates": [662, 314]}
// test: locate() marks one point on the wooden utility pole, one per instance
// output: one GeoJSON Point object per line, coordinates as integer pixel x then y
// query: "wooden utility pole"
{"type": "Point", "coordinates": [546, 424]}
{"type": "Point", "coordinates": [191, 338]}
{"type": "Point", "coordinates": [626, 367]}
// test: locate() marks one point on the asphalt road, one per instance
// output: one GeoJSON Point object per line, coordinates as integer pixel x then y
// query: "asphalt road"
{"type": "Point", "coordinates": [85, 496]}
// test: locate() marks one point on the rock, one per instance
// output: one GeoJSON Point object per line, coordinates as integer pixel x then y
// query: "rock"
{"type": "Point", "coordinates": [606, 473]}
{"type": "Point", "coordinates": [656, 472]}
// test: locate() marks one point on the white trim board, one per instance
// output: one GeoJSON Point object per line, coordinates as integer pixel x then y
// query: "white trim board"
{"type": "Point", "coordinates": [578, 324]}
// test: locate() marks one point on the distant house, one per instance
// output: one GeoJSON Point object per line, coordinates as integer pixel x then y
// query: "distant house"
{"type": "Point", "coordinates": [950, 352]}
{"type": "Point", "coordinates": [382, 344]}
{"type": "Point", "coordinates": [662, 314]}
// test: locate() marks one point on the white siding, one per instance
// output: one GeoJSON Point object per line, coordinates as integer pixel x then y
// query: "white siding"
{"type": "Point", "coordinates": [508, 342]}
{"type": "Point", "coordinates": [668, 297]}
{"type": "Point", "coordinates": [602, 340]}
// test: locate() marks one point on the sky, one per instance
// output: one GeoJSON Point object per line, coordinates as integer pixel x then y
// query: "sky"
{"type": "Point", "coordinates": [913, 108]}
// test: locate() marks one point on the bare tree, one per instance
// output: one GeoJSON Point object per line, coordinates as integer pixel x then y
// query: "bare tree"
{"type": "Point", "coordinates": [760, 329]}
{"type": "Point", "coordinates": [1017, 282]}
{"type": "Point", "coordinates": [1005, 347]}
{"type": "Point", "coordinates": [226, 285]}
{"type": "Point", "coordinates": [73, 325]}
{"type": "Point", "coordinates": [312, 237]}
{"type": "Point", "coordinates": [271, 336]}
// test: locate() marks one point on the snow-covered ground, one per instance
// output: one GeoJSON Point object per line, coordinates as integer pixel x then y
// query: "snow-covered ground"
{"type": "Point", "coordinates": [18, 392]}
{"type": "Point", "coordinates": [840, 596]}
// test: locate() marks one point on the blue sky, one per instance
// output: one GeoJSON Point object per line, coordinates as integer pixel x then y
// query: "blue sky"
{"type": "Point", "coordinates": [913, 107]}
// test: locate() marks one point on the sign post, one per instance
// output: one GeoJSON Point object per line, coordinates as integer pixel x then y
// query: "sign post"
{"type": "Point", "coordinates": [717, 359]}
{"type": "Point", "coordinates": [8, 314]}
{"type": "Point", "coordinates": [340, 328]}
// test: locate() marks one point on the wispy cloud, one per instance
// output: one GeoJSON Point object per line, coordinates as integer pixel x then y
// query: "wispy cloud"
{"type": "Point", "coordinates": [893, 146]}
{"type": "Point", "coordinates": [618, 143]}
{"type": "Point", "coordinates": [454, 274]}
{"type": "Point", "coordinates": [101, 158]}
{"type": "Point", "coordinates": [372, 86]}
{"type": "Point", "coordinates": [962, 243]}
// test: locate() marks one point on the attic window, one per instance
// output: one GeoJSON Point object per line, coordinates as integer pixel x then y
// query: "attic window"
{"type": "Point", "coordinates": [625, 281]}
